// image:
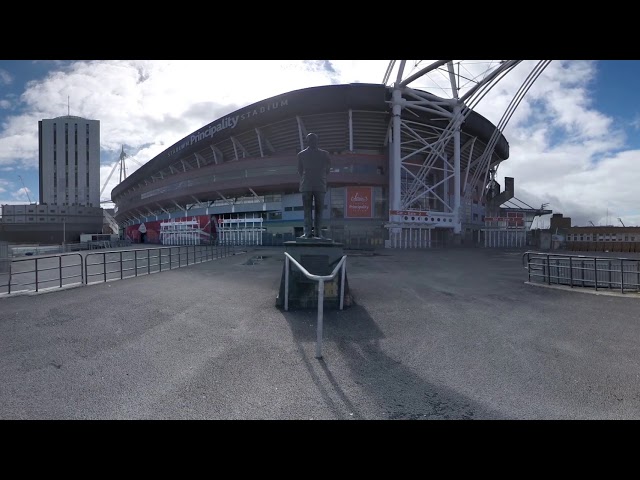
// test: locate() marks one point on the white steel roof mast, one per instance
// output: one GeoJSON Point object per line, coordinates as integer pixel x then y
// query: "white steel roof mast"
{"type": "Point", "coordinates": [417, 157]}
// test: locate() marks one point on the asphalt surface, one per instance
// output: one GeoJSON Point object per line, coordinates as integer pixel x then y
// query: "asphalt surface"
{"type": "Point", "coordinates": [435, 334]}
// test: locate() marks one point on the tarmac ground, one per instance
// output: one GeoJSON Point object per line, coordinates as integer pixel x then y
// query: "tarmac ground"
{"type": "Point", "coordinates": [432, 334]}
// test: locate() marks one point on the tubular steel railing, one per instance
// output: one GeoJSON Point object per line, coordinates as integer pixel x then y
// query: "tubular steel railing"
{"type": "Point", "coordinates": [612, 273]}
{"type": "Point", "coordinates": [341, 266]}
{"type": "Point", "coordinates": [57, 271]}
{"type": "Point", "coordinates": [45, 271]}
{"type": "Point", "coordinates": [147, 261]}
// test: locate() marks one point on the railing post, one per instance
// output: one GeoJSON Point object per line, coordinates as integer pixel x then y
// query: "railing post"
{"type": "Point", "coordinates": [86, 271]}
{"type": "Point", "coordinates": [582, 271]}
{"type": "Point", "coordinates": [342, 279]}
{"type": "Point", "coordinates": [148, 261]}
{"type": "Point", "coordinates": [548, 270]}
{"type": "Point", "coordinates": [135, 261]}
{"type": "Point", "coordinates": [36, 273]}
{"type": "Point", "coordinates": [60, 269]}
{"type": "Point", "coordinates": [9, 284]}
{"type": "Point", "coordinates": [104, 265]}
{"type": "Point", "coordinates": [595, 272]}
{"type": "Point", "coordinates": [528, 265]}
{"type": "Point", "coordinates": [320, 312]}
{"type": "Point", "coordinates": [286, 283]}
{"type": "Point", "coordinates": [622, 275]}
{"type": "Point", "coordinates": [169, 258]}
{"type": "Point", "coordinates": [609, 285]}
{"type": "Point", "coordinates": [570, 271]}
{"type": "Point", "coordinates": [160, 259]}
{"type": "Point", "coordinates": [121, 269]}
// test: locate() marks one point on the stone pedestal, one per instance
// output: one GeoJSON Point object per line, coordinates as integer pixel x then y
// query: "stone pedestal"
{"type": "Point", "coordinates": [319, 257]}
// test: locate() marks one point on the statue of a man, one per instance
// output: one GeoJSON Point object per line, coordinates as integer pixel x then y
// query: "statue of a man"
{"type": "Point", "coordinates": [313, 168]}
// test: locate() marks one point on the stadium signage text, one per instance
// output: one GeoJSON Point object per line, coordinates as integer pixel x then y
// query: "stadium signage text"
{"type": "Point", "coordinates": [227, 122]}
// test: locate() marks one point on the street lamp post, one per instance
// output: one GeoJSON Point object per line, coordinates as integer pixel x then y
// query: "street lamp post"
{"type": "Point", "coordinates": [64, 232]}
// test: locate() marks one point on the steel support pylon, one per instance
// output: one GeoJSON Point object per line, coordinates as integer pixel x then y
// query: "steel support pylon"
{"type": "Point", "coordinates": [434, 177]}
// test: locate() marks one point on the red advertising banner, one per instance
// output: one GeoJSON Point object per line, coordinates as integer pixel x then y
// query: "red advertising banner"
{"type": "Point", "coordinates": [359, 202]}
{"type": "Point", "coordinates": [193, 230]}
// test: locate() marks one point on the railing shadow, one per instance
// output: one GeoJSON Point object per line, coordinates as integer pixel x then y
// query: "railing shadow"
{"type": "Point", "coordinates": [352, 338]}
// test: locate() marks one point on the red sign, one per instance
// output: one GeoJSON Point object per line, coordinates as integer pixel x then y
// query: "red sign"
{"type": "Point", "coordinates": [415, 213]}
{"type": "Point", "coordinates": [359, 202]}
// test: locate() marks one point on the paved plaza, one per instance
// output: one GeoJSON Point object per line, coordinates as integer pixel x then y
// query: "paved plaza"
{"type": "Point", "coordinates": [433, 334]}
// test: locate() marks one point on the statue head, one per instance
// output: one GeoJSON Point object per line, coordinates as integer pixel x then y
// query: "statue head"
{"type": "Point", "coordinates": [312, 140]}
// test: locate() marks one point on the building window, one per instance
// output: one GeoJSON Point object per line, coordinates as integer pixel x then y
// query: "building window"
{"type": "Point", "coordinates": [337, 202]}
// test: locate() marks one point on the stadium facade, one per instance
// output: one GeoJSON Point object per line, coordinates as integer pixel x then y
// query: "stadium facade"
{"type": "Point", "coordinates": [235, 179]}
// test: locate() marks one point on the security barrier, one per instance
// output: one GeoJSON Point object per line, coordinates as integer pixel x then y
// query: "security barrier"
{"type": "Point", "coordinates": [40, 273]}
{"type": "Point", "coordinates": [612, 273]}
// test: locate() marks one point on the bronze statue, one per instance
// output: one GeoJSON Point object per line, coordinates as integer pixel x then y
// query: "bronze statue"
{"type": "Point", "coordinates": [313, 168]}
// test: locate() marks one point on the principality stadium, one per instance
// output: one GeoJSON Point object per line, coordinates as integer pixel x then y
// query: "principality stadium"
{"type": "Point", "coordinates": [420, 179]}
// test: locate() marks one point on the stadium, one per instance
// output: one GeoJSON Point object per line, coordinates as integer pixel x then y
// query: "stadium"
{"type": "Point", "coordinates": [235, 179]}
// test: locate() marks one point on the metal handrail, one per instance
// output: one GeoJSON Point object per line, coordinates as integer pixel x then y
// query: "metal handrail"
{"type": "Point", "coordinates": [342, 265]}
{"type": "Point", "coordinates": [197, 256]}
{"type": "Point", "coordinates": [37, 281]}
{"type": "Point", "coordinates": [554, 267]}
{"type": "Point", "coordinates": [193, 253]}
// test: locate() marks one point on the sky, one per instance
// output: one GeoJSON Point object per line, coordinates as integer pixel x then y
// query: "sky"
{"type": "Point", "coordinates": [574, 142]}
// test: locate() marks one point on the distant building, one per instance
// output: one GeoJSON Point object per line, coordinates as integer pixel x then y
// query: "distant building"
{"type": "Point", "coordinates": [48, 224]}
{"type": "Point", "coordinates": [69, 161]}
{"type": "Point", "coordinates": [69, 174]}
{"type": "Point", "coordinates": [594, 238]}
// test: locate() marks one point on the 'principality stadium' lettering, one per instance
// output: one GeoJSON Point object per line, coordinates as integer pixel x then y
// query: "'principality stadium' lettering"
{"type": "Point", "coordinates": [227, 122]}
{"type": "Point", "coordinates": [266, 108]}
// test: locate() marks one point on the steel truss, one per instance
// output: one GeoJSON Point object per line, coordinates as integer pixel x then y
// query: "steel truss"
{"type": "Point", "coordinates": [426, 160]}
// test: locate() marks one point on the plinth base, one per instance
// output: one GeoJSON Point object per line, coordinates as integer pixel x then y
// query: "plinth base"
{"type": "Point", "coordinates": [319, 257]}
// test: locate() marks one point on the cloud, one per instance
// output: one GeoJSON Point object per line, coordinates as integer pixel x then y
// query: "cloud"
{"type": "Point", "coordinates": [562, 149]}
{"type": "Point", "coordinates": [5, 77]}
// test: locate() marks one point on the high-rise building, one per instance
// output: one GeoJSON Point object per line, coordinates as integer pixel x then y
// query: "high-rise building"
{"type": "Point", "coordinates": [69, 171]}
{"type": "Point", "coordinates": [69, 161]}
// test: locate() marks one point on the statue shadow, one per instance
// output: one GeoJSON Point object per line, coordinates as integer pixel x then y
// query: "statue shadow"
{"type": "Point", "coordinates": [392, 390]}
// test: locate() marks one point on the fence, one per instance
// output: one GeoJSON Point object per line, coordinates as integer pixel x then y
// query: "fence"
{"type": "Point", "coordinates": [612, 273]}
{"type": "Point", "coordinates": [64, 270]}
